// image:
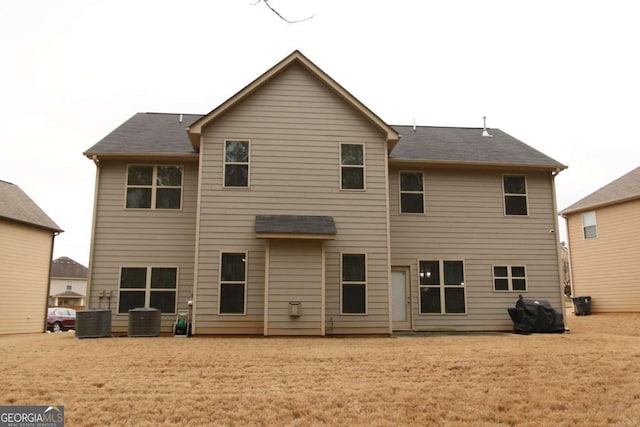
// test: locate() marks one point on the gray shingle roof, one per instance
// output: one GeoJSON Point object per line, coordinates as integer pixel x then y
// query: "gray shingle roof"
{"type": "Point", "coordinates": [68, 294]}
{"type": "Point", "coordinates": [625, 188]}
{"type": "Point", "coordinates": [165, 134]}
{"type": "Point", "coordinates": [295, 224]}
{"type": "Point", "coordinates": [148, 133]}
{"type": "Point", "coordinates": [467, 145]}
{"type": "Point", "coordinates": [66, 267]}
{"type": "Point", "coordinates": [16, 206]}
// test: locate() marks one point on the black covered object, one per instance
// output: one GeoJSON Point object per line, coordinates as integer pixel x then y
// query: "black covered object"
{"type": "Point", "coordinates": [531, 316]}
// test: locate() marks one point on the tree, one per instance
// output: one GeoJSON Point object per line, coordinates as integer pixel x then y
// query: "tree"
{"type": "Point", "coordinates": [266, 2]}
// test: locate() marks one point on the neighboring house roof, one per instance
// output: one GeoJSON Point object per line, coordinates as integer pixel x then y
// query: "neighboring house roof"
{"type": "Point", "coordinates": [69, 294]}
{"type": "Point", "coordinates": [295, 224]}
{"type": "Point", "coordinates": [452, 145]}
{"type": "Point", "coordinates": [296, 57]}
{"type": "Point", "coordinates": [16, 206]}
{"type": "Point", "coordinates": [623, 189]}
{"type": "Point", "coordinates": [68, 268]}
{"type": "Point", "coordinates": [148, 133]}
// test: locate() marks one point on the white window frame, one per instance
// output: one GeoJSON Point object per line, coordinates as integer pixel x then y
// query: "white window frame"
{"type": "Point", "coordinates": [401, 192]}
{"type": "Point", "coordinates": [349, 282]}
{"type": "Point", "coordinates": [363, 167]}
{"type": "Point", "coordinates": [505, 194]}
{"type": "Point", "coordinates": [147, 289]}
{"type": "Point", "coordinates": [587, 216]}
{"type": "Point", "coordinates": [154, 186]}
{"type": "Point", "coordinates": [442, 287]}
{"type": "Point", "coordinates": [225, 163]}
{"type": "Point", "coordinates": [245, 283]}
{"type": "Point", "coordinates": [509, 277]}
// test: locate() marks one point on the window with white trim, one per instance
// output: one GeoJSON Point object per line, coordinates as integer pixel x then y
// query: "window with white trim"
{"type": "Point", "coordinates": [154, 187]}
{"type": "Point", "coordinates": [442, 288]}
{"type": "Point", "coordinates": [354, 284]}
{"type": "Point", "coordinates": [151, 287]}
{"type": "Point", "coordinates": [236, 164]}
{"type": "Point", "coordinates": [589, 225]}
{"type": "Point", "coordinates": [411, 192]}
{"type": "Point", "coordinates": [233, 283]}
{"type": "Point", "coordinates": [515, 194]}
{"type": "Point", "coordinates": [509, 278]}
{"type": "Point", "coordinates": [352, 176]}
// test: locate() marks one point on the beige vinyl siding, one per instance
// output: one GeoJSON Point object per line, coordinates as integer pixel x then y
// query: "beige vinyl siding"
{"type": "Point", "coordinates": [464, 220]}
{"type": "Point", "coordinates": [605, 268]}
{"type": "Point", "coordinates": [295, 276]}
{"type": "Point", "coordinates": [25, 252]}
{"type": "Point", "coordinates": [295, 125]}
{"type": "Point", "coordinates": [141, 238]}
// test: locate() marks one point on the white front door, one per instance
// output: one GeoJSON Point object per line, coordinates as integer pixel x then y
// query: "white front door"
{"type": "Point", "coordinates": [400, 299]}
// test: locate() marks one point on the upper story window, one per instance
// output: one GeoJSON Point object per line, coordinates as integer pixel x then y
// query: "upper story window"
{"type": "Point", "coordinates": [411, 192]}
{"type": "Point", "coordinates": [154, 187]}
{"type": "Point", "coordinates": [352, 166]}
{"type": "Point", "coordinates": [515, 194]}
{"type": "Point", "coordinates": [589, 225]}
{"type": "Point", "coordinates": [236, 164]}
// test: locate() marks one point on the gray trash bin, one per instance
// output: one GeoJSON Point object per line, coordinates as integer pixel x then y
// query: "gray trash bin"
{"type": "Point", "coordinates": [582, 305]}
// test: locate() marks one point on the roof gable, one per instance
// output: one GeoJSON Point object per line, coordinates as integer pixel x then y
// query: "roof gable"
{"type": "Point", "coordinates": [16, 206]}
{"type": "Point", "coordinates": [195, 130]}
{"type": "Point", "coordinates": [467, 146]}
{"type": "Point", "coordinates": [623, 189]}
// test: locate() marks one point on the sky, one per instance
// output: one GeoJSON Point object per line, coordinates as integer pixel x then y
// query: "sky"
{"type": "Point", "coordinates": [561, 76]}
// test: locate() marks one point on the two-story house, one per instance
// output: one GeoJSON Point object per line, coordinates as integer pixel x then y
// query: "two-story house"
{"type": "Point", "coordinates": [292, 209]}
{"type": "Point", "coordinates": [604, 243]}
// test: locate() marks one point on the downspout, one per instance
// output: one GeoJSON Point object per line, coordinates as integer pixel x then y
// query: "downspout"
{"type": "Point", "coordinates": [196, 257]}
{"type": "Point", "coordinates": [46, 303]}
{"type": "Point", "coordinates": [93, 230]}
{"type": "Point", "coordinates": [557, 244]}
{"type": "Point", "coordinates": [388, 223]}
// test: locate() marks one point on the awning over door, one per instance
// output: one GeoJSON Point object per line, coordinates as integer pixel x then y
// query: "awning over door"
{"type": "Point", "coordinates": [295, 227]}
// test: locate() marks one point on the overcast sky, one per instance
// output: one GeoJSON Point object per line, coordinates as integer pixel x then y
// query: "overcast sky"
{"type": "Point", "coordinates": [562, 76]}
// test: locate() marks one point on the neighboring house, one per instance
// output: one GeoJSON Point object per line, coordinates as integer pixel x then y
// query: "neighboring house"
{"type": "Point", "coordinates": [292, 209]}
{"type": "Point", "coordinates": [565, 270]}
{"type": "Point", "coordinates": [68, 283]}
{"type": "Point", "coordinates": [26, 247]}
{"type": "Point", "coordinates": [604, 245]}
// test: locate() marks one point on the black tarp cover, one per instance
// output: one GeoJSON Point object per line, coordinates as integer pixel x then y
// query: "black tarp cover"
{"type": "Point", "coordinates": [531, 316]}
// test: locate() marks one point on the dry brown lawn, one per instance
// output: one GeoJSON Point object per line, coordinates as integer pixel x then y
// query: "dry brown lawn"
{"type": "Point", "coordinates": [590, 376]}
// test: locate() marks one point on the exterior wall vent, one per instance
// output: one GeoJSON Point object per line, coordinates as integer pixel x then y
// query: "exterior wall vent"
{"type": "Point", "coordinates": [144, 322]}
{"type": "Point", "coordinates": [93, 323]}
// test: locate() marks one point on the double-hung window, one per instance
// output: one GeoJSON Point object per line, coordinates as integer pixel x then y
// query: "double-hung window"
{"type": "Point", "coordinates": [153, 287]}
{"type": "Point", "coordinates": [442, 287]}
{"type": "Point", "coordinates": [352, 176]}
{"type": "Point", "coordinates": [154, 187]}
{"type": "Point", "coordinates": [515, 194]}
{"type": "Point", "coordinates": [236, 164]}
{"type": "Point", "coordinates": [354, 284]}
{"type": "Point", "coordinates": [411, 192]}
{"type": "Point", "coordinates": [233, 283]}
{"type": "Point", "coordinates": [509, 278]}
{"type": "Point", "coordinates": [589, 225]}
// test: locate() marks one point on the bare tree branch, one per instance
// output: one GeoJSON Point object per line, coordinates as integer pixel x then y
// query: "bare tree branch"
{"type": "Point", "coordinates": [266, 2]}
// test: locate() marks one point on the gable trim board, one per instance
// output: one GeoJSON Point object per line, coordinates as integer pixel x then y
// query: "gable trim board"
{"type": "Point", "coordinates": [295, 223]}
